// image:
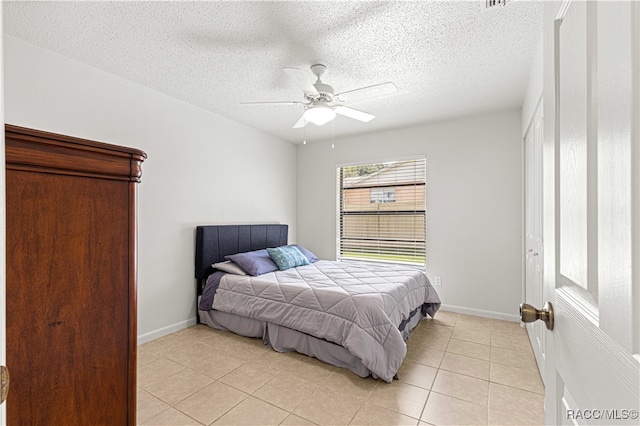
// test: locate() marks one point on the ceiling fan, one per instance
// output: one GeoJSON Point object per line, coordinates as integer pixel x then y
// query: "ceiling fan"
{"type": "Point", "coordinates": [321, 103]}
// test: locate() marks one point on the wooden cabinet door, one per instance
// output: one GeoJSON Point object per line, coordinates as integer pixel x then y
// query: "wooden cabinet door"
{"type": "Point", "coordinates": [67, 299]}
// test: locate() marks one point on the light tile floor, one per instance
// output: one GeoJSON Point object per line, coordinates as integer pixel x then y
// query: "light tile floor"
{"type": "Point", "coordinates": [459, 369]}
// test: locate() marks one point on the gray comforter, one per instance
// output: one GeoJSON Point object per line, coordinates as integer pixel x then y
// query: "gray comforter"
{"type": "Point", "coordinates": [354, 304]}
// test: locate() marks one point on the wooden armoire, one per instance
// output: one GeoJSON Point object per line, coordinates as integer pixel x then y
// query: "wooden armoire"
{"type": "Point", "coordinates": [71, 279]}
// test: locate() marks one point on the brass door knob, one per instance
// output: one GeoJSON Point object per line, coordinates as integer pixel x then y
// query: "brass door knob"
{"type": "Point", "coordinates": [530, 314]}
{"type": "Point", "coordinates": [4, 383]}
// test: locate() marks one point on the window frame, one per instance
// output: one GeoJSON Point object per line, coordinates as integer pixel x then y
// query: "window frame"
{"type": "Point", "coordinates": [340, 212]}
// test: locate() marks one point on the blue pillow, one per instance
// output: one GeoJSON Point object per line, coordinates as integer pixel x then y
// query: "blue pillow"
{"type": "Point", "coordinates": [254, 263]}
{"type": "Point", "coordinates": [310, 256]}
{"type": "Point", "coordinates": [287, 257]}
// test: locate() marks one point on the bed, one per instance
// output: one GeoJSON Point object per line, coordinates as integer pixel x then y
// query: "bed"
{"type": "Point", "coordinates": [354, 315]}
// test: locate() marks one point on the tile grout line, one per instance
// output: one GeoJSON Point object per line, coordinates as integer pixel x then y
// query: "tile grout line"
{"type": "Point", "coordinates": [452, 326]}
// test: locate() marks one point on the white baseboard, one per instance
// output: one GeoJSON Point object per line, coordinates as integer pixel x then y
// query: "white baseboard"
{"type": "Point", "coordinates": [155, 334]}
{"type": "Point", "coordinates": [480, 313]}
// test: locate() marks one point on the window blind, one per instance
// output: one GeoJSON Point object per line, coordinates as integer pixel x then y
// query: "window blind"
{"type": "Point", "coordinates": [382, 212]}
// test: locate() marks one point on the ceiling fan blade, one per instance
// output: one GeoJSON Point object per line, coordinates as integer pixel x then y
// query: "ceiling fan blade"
{"type": "Point", "coordinates": [369, 92]}
{"type": "Point", "coordinates": [272, 103]}
{"type": "Point", "coordinates": [301, 79]}
{"type": "Point", "coordinates": [300, 123]}
{"type": "Point", "coordinates": [354, 113]}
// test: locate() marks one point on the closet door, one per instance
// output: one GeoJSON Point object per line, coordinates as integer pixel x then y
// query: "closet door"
{"type": "Point", "coordinates": [70, 285]}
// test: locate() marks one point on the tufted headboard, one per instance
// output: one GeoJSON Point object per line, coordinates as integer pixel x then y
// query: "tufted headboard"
{"type": "Point", "coordinates": [214, 242]}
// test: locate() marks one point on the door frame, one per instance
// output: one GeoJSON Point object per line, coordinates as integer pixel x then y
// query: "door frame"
{"type": "Point", "coordinates": [3, 249]}
{"type": "Point", "coordinates": [531, 332]}
{"type": "Point", "coordinates": [548, 200]}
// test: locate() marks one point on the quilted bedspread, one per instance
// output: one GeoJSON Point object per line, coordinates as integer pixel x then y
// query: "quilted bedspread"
{"type": "Point", "coordinates": [354, 304]}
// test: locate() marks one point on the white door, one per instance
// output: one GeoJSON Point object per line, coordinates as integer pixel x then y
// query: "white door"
{"type": "Point", "coordinates": [533, 230]}
{"type": "Point", "coordinates": [591, 187]}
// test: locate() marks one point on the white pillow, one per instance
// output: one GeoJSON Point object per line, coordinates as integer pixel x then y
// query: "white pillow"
{"type": "Point", "coordinates": [228, 267]}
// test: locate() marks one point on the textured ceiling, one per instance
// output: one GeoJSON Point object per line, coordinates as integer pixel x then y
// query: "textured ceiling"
{"type": "Point", "coordinates": [447, 58]}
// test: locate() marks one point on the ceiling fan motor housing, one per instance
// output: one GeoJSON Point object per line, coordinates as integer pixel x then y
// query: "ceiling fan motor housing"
{"type": "Point", "coordinates": [324, 90]}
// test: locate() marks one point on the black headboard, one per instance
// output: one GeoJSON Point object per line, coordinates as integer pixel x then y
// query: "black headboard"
{"type": "Point", "coordinates": [213, 243]}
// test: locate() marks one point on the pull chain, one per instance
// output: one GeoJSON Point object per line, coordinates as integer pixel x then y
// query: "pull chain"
{"type": "Point", "coordinates": [332, 135]}
{"type": "Point", "coordinates": [304, 139]}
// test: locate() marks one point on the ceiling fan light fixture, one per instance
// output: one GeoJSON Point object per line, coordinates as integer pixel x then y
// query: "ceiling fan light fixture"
{"type": "Point", "coordinates": [319, 115]}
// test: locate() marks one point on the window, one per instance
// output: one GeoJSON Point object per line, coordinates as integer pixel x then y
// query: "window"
{"type": "Point", "coordinates": [381, 212]}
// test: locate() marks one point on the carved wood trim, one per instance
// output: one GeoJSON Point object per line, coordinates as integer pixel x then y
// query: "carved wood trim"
{"type": "Point", "coordinates": [36, 150]}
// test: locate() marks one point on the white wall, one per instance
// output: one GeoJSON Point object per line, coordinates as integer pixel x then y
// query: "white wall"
{"type": "Point", "coordinates": [202, 168]}
{"type": "Point", "coordinates": [474, 196]}
{"type": "Point", "coordinates": [533, 92]}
